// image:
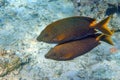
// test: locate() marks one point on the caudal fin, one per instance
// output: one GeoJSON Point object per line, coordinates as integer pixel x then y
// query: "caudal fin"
{"type": "Point", "coordinates": [102, 26]}
{"type": "Point", "coordinates": [105, 38]}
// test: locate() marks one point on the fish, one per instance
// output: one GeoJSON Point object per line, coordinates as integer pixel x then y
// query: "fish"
{"type": "Point", "coordinates": [73, 49]}
{"type": "Point", "coordinates": [73, 28]}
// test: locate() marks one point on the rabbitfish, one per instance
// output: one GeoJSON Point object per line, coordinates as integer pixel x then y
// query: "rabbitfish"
{"type": "Point", "coordinates": [73, 49]}
{"type": "Point", "coordinates": [72, 28]}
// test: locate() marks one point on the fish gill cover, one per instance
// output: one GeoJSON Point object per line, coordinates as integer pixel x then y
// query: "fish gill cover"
{"type": "Point", "coordinates": [21, 21]}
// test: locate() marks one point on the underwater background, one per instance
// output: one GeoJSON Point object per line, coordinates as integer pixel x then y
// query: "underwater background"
{"type": "Point", "coordinates": [22, 56]}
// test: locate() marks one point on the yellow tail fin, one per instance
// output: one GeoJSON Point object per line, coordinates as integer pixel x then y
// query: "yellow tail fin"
{"type": "Point", "coordinates": [105, 38]}
{"type": "Point", "coordinates": [102, 26]}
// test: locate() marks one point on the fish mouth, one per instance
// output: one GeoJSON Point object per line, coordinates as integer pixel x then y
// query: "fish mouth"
{"type": "Point", "coordinates": [55, 58]}
{"type": "Point", "coordinates": [39, 38]}
{"type": "Point", "coordinates": [46, 56]}
{"type": "Point", "coordinates": [51, 57]}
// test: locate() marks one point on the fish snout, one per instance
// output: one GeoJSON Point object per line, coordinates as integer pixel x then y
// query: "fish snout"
{"type": "Point", "coordinates": [40, 38]}
{"type": "Point", "coordinates": [46, 56]}
{"type": "Point", "coordinates": [52, 55]}
{"type": "Point", "coordinates": [44, 38]}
